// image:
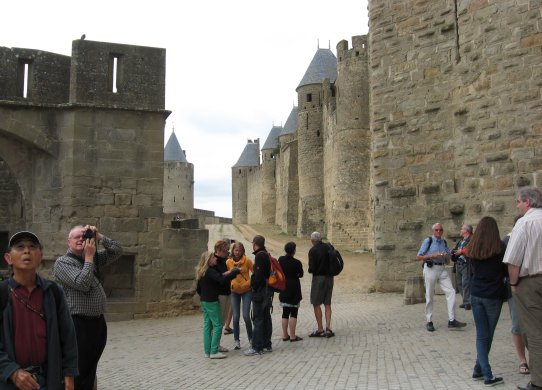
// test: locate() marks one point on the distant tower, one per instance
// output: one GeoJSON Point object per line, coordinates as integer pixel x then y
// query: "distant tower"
{"type": "Point", "coordinates": [270, 152]}
{"type": "Point", "coordinates": [310, 141]}
{"type": "Point", "coordinates": [178, 180]}
{"type": "Point", "coordinates": [287, 185]}
{"type": "Point", "coordinates": [248, 162]}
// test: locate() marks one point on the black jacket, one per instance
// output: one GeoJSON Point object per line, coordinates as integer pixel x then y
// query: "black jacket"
{"type": "Point", "coordinates": [221, 267]}
{"type": "Point", "coordinates": [261, 270]}
{"type": "Point", "coordinates": [293, 270]}
{"type": "Point", "coordinates": [319, 259]}
{"type": "Point", "coordinates": [210, 285]}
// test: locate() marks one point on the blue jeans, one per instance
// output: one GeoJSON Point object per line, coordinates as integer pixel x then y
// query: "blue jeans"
{"type": "Point", "coordinates": [263, 328]}
{"type": "Point", "coordinates": [236, 308]}
{"type": "Point", "coordinates": [486, 313]}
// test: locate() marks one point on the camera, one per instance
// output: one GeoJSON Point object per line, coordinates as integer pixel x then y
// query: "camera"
{"type": "Point", "coordinates": [88, 234]}
{"type": "Point", "coordinates": [429, 263]}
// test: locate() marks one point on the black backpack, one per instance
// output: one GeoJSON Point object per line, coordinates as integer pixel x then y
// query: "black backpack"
{"type": "Point", "coordinates": [336, 262]}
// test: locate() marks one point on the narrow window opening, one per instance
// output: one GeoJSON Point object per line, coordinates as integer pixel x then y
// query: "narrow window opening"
{"type": "Point", "coordinates": [25, 81]}
{"type": "Point", "coordinates": [115, 72]}
{"type": "Point", "coordinates": [115, 64]}
{"type": "Point", "coordinates": [309, 97]}
{"type": "Point", "coordinates": [24, 77]}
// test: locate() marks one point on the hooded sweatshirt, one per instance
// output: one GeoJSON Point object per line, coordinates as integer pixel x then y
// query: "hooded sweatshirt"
{"type": "Point", "coordinates": [241, 284]}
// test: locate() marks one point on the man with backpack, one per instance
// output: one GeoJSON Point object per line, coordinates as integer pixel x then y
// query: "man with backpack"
{"type": "Point", "coordinates": [435, 254]}
{"type": "Point", "coordinates": [38, 347]}
{"type": "Point", "coordinates": [322, 284]}
{"type": "Point", "coordinates": [262, 297]}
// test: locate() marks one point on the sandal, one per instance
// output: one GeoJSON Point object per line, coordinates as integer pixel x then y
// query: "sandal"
{"type": "Point", "coordinates": [318, 334]}
{"type": "Point", "coordinates": [524, 369]}
{"type": "Point", "coordinates": [297, 338]}
{"type": "Point", "coordinates": [329, 333]}
{"type": "Point", "coordinates": [286, 338]}
{"type": "Point", "coordinates": [228, 330]}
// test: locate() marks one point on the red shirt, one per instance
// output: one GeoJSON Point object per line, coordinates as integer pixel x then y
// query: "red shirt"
{"type": "Point", "coordinates": [29, 328]}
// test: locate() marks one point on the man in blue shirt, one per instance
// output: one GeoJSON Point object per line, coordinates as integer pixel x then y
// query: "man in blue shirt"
{"type": "Point", "coordinates": [435, 254]}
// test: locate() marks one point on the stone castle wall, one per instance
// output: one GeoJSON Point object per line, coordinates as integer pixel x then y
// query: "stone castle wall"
{"type": "Point", "coordinates": [78, 152]}
{"type": "Point", "coordinates": [455, 119]}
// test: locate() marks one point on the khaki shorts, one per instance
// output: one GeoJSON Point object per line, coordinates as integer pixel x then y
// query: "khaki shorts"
{"type": "Point", "coordinates": [321, 290]}
{"type": "Point", "coordinates": [225, 304]}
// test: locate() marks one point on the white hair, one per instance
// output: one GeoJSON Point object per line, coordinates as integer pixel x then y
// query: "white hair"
{"type": "Point", "coordinates": [316, 236]}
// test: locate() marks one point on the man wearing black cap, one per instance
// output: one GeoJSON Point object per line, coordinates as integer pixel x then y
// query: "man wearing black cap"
{"type": "Point", "coordinates": [78, 273]}
{"type": "Point", "coordinates": [38, 345]}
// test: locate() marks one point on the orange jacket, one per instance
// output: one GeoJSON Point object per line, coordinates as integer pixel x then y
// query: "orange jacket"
{"type": "Point", "coordinates": [241, 283]}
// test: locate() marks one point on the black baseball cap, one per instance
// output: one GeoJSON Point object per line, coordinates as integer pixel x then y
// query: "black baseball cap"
{"type": "Point", "coordinates": [23, 235]}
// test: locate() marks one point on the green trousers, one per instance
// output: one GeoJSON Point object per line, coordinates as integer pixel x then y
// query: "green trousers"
{"type": "Point", "coordinates": [212, 326]}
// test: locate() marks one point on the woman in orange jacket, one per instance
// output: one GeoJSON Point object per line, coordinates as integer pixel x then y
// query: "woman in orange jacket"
{"type": "Point", "coordinates": [240, 290]}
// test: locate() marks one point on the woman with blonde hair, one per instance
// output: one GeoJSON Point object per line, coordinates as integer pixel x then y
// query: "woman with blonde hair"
{"type": "Point", "coordinates": [240, 290]}
{"type": "Point", "coordinates": [209, 281]}
{"type": "Point", "coordinates": [488, 291]}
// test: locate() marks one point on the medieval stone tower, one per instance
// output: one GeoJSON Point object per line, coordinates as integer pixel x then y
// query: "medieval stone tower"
{"type": "Point", "coordinates": [287, 182]}
{"type": "Point", "coordinates": [347, 143]}
{"type": "Point", "coordinates": [270, 151]}
{"type": "Point", "coordinates": [178, 180]}
{"type": "Point", "coordinates": [310, 136]}
{"type": "Point", "coordinates": [246, 166]}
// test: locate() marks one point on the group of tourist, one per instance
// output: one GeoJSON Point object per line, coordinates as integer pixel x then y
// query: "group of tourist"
{"type": "Point", "coordinates": [231, 280]}
{"type": "Point", "coordinates": [489, 271]}
{"type": "Point", "coordinates": [50, 337]}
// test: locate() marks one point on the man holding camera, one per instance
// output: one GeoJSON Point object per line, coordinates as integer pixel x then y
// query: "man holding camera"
{"type": "Point", "coordinates": [78, 273]}
{"type": "Point", "coordinates": [435, 254]}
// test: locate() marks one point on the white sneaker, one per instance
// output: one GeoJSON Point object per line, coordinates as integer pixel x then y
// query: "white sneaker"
{"type": "Point", "coordinates": [222, 349]}
{"type": "Point", "coordinates": [206, 355]}
{"type": "Point", "coordinates": [237, 344]}
{"type": "Point", "coordinates": [217, 355]}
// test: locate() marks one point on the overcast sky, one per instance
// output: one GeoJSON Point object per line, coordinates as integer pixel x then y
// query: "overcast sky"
{"type": "Point", "coordinates": [232, 66]}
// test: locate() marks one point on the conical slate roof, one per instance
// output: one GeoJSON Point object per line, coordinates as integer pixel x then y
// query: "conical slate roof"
{"type": "Point", "coordinates": [272, 141]}
{"type": "Point", "coordinates": [173, 151]}
{"type": "Point", "coordinates": [250, 156]}
{"type": "Point", "coordinates": [290, 127]}
{"type": "Point", "coordinates": [322, 66]}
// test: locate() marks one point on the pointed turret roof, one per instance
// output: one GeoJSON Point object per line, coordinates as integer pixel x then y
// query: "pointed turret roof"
{"type": "Point", "coordinates": [272, 141]}
{"type": "Point", "coordinates": [173, 151]}
{"type": "Point", "coordinates": [250, 156]}
{"type": "Point", "coordinates": [290, 127]}
{"type": "Point", "coordinates": [322, 66]}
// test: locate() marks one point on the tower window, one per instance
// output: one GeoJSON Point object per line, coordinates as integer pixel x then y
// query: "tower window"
{"type": "Point", "coordinates": [309, 97]}
{"type": "Point", "coordinates": [24, 72]}
{"type": "Point", "coordinates": [115, 72]}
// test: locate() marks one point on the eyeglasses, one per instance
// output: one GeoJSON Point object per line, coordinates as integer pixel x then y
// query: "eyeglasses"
{"type": "Point", "coordinates": [439, 230]}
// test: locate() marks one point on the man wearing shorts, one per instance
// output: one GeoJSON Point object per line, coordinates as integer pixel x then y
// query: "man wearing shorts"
{"type": "Point", "coordinates": [322, 284]}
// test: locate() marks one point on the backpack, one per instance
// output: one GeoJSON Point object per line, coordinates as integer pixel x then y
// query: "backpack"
{"type": "Point", "coordinates": [336, 262]}
{"type": "Point", "coordinates": [276, 280]}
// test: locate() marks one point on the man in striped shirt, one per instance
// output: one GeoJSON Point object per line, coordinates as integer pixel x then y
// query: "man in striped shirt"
{"type": "Point", "coordinates": [78, 273]}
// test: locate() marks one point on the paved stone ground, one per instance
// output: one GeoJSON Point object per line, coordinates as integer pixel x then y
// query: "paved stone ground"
{"type": "Point", "coordinates": [379, 344]}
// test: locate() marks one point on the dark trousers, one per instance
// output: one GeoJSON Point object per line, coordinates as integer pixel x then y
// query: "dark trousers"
{"type": "Point", "coordinates": [263, 329]}
{"type": "Point", "coordinates": [91, 339]}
